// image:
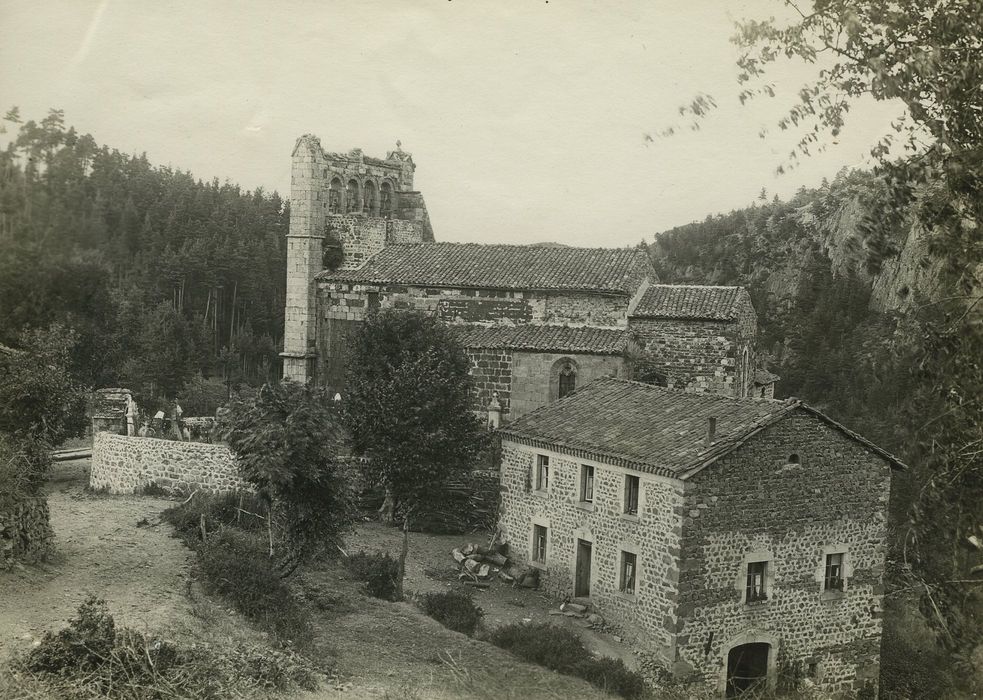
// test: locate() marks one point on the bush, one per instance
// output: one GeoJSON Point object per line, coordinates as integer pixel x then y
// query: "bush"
{"type": "Point", "coordinates": [454, 610]}
{"type": "Point", "coordinates": [561, 650]}
{"type": "Point", "coordinates": [236, 565]}
{"type": "Point", "coordinates": [91, 658]}
{"type": "Point", "coordinates": [219, 511]}
{"type": "Point", "coordinates": [379, 571]}
{"type": "Point", "coordinates": [613, 676]}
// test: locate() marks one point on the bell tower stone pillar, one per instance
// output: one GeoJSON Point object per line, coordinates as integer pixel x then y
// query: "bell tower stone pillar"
{"type": "Point", "coordinates": [305, 243]}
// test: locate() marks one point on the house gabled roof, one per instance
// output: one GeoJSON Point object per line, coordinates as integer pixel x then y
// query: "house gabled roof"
{"type": "Point", "coordinates": [536, 338]}
{"type": "Point", "coordinates": [656, 430]}
{"type": "Point", "coordinates": [606, 270]}
{"type": "Point", "coordinates": [691, 302]}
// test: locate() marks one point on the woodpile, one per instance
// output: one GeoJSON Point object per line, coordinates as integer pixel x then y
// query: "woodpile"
{"type": "Point", "coordinates": [480, 565]}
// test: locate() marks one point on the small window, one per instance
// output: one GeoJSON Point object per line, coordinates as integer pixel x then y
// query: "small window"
{"type": "Point", "coordinates": [793, 458]}
{"type": "Point", "coordinates": [542, 473]}
{"type": "Point", "coordinates": [834, 572]}
{"type": "Point", "coordinates": [628, 573]}
{"type": "Point", "coordinates": [373, 300]}
{"type": "Point", "coordinates": [631, 495]}
{"type": "Point", "coordinates": [587, 483]}
{"type": "Point", "coordinates": [755, 588]}
{"type": "Point", "coordinates": [539, 544]}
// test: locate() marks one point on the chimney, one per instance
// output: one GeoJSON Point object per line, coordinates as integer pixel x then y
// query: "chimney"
{"type": "Point", "coordinates": [711, 430]}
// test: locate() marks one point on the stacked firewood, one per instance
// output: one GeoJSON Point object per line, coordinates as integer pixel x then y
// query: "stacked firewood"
{"type": "Point", "coordinates": [480, 565]}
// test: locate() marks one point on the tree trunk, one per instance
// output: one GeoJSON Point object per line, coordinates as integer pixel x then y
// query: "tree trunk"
{"type": "Point", "coordinates": [269, 526]}
{"type": "Point", "coordinates": [402, 556]}
{"type": "Point", "coordinates": [388, 507]}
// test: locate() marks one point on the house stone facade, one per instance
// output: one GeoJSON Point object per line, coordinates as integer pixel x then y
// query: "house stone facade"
{"type": "Point", "coordinates": [755, 544]}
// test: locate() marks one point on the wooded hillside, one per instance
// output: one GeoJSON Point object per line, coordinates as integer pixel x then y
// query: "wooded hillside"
{"type": "Point", "coordinates": [164, 277]}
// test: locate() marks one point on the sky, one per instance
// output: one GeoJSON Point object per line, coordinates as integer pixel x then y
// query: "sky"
{"type": "Point", "coordinates": [526, 120]}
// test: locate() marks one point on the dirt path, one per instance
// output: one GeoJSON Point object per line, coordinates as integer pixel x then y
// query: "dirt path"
{"type": "Point", "coordinates": [99, 550]}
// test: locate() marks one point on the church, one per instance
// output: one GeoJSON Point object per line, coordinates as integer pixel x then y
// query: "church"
{"type": "Point", "coordinates": [537, 321]}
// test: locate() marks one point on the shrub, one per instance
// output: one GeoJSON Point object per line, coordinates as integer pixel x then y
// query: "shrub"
{"type": "Point", "coordinates": [454, 610]}
{"type": "Point", "coordinates": [379, 571]}
{"type": "Point", "coordinates": [236, 565]}
{"type": "Point", "coordinates": [561, 650]}
{"type": "Point", "coordinates": [91, 658]}
{"type": "Point", "coordinates": [80, 646]}
{"type": "Point", "coordinates": [613, 676]}
{"type": "Point", "coordinates": [219, 511]}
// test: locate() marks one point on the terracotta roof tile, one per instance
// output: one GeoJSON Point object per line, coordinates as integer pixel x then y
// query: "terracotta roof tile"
{"type": "Point", "coordinates": [662, 431]}
{"type": "Point", "coordinates": [690, 302]}
{"type": "Point", "coordinates": [599, 341]}
{"type": "Point", "coordinates": [612, 270]}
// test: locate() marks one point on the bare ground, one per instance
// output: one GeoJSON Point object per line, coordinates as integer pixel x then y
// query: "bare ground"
{"type": "Point", "coordinates": [377, 649]}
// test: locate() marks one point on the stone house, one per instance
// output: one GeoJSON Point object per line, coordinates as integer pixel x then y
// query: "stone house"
{"type": "Point", "coordinates": [537, 321]}
{"type": "Point", "coordinates": [732, 540]}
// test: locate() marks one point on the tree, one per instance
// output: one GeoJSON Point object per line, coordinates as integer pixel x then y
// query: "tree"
{"type": "Point", "coordinates": [928, 55]}
{"type": "Point", "coordinates": [39, 397]}
{"type": "Point", "coordinates": [408, 408]}
{"type": "Point", "coordinates": [287, 443]}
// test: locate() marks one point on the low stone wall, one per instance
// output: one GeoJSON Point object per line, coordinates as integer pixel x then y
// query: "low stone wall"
{"type": "Point", "coordinates": [25, 531]}
{"type": "Point", "coordinates": [125, 464]}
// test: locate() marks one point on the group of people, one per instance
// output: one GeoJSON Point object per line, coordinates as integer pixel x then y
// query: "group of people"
{"type": "Point", "coordinates": [158, 426]}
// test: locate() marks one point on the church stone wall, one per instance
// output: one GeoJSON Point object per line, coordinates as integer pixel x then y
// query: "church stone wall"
{"type": "Point", "coordinates": [535, 376]}
{"type": "Point", "coordinates": [758, 502]}
{"type": "Point", "coordinates": [126, 464]}
{"type": "Point", "coordinates": [646, 619]}
{"type": "Point", "coordinates": [699, 356]}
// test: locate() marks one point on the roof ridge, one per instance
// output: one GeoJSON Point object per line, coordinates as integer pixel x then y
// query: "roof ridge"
{"type": "Point", "coordinates": [523, 246]}
{"type": "Point", "coordinates": [699, 286]}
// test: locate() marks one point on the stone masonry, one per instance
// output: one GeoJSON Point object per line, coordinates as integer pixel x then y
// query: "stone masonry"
{"type": "Point", "coordinates": [778, 486]}
{"type": "Point", "coordinates": [653, 535]}
{"type": "Point", "coordinates": [365, 204]}
{"type": "Point", "coordinates": [123, 464]}
{"type": "Point", "coordinates": [833, 499]}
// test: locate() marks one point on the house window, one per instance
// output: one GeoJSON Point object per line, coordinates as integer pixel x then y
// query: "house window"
{"type": "Point", "coordinates": [631, 495]}
{"type": "Point", "coordinates": [755, 587]}
{"type": "Point", "coordinates": [568, 381]}
{"type": "Point", "coordinates": [539, 544]}
{"type": "Point", "coordinates": [373, 299]}
{"type": "Point", "coordinates": [629, 571]}
{"type": "Point", "coordinates": [542, 473]}
{"type": "Point", "coordinates": [587, 483]}
{"type": "Point", "coordinates": [833, 580]}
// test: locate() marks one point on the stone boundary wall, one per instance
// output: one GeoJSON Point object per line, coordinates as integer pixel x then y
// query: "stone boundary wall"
{"type": "Point", "coordinates": [125, 464]}
{"type": "Point", "coordinates": [25, 531]}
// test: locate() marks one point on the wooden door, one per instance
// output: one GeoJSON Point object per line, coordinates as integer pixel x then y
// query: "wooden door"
{"type": "Point", "coordinates": [582, 578]}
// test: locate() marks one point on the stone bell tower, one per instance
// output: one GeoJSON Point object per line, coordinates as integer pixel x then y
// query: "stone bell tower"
{"type": "Point", "coordinates": [362, 204]}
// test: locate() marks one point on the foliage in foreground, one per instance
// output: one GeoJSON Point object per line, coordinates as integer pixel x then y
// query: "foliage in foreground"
{"type": "Point", "coordinates": [242, 510]}
{"type": "Point", "coordinates": [453, 609]}
{"type": "Point", "coordinates": [92, 658]}
{"type": "Point", "coordinates": [561, 650]}
{"type": "Point", "coordinates": [236, 566]}
{"type": "Point", "coordinates": [380, 572]}
{"type": "Point", "coordinates": [287, 442]}
{"type": "Point", "coordinates": [408, 404]}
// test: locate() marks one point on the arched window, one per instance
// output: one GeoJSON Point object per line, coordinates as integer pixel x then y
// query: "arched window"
{"type": "Point", "coordinates": [352, 201]}
{"type": "Point", "coordinates": [387, 200]}
{"type": "Point", "coordinates": [369, 204]}
{"type": "Point", "coordinates": [334, 197]}
{"type": "Point", "coordinates": [568, 381]}
{"type": "Point", "coordinates": [563, 378]}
